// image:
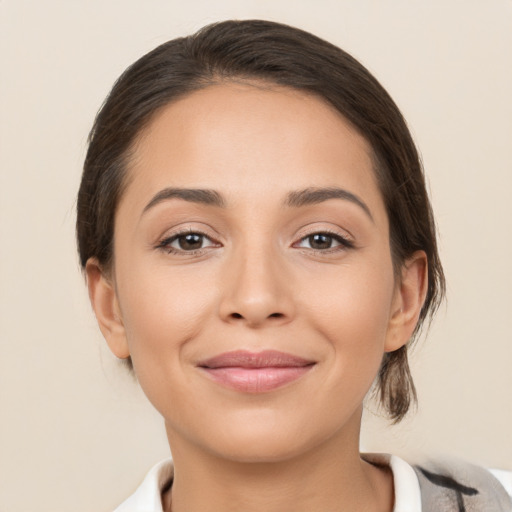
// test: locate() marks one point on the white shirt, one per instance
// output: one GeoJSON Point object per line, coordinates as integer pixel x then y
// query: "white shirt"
{"type": "Point", "coordinates": [147, 498]}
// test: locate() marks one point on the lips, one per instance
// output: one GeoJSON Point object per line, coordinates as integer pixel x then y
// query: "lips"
{"type": "Point", "coordinates": [255, 372]}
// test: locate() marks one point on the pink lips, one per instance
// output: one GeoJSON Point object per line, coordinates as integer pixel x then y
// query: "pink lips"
{"type": "Point", "coordinates": [255, 372]}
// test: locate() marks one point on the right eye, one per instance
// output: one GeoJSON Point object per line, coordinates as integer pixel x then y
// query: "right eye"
{"type": "Point", "coordinates": [186, 242]}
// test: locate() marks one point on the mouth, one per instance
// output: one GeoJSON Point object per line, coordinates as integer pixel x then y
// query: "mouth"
{"type": "Point", "coordinates": [259, 372]}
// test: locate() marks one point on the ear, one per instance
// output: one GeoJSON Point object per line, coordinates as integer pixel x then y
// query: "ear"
{"type": "Point", "coordinates": [105, 304]}
{"type": "Point", "coordinates": [408, 300]}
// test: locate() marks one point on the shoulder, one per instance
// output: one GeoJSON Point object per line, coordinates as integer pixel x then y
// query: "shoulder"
{"type": "Point", "coordinates": [457, 485]}
{"type": "Point", "coordinates": [147, 497]}
{"type": "Point", "coordinates": [446, 485]}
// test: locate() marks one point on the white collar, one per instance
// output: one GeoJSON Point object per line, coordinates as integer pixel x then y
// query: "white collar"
{"type": "Point", "coordinates": [147, 498]}
{"type": "Point", "coordinates": [407, 486]}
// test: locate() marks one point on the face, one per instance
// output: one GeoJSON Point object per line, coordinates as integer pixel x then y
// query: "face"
{"type": "Point", "coordinates": [253, 284]}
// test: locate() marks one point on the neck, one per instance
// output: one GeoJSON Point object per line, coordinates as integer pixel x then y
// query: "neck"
{"type": "Point", "coordinates": [332, 478]}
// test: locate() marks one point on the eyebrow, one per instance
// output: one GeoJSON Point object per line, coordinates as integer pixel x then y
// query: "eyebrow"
{"type": "Point", "coordinates": [193, 195]}
{"type": "Point", "coordinates": [295, 199]}
{"type": "Point", "coordinates": [314, 195]}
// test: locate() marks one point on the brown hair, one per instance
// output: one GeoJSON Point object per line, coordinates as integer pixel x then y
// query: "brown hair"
{"type": "Point", "coordinates": [282, 55]}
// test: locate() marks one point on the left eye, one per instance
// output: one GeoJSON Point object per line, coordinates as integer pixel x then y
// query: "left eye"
{"type": "Point", "coordinates": [322, 241]}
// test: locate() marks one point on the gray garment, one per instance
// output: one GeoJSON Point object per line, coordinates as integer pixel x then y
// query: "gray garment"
{"type": "Point", "coordinates": [460, 487]}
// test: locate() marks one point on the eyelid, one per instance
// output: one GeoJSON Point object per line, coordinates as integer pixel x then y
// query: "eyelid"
{"type": "Point", "coordinates": [164, 242]}
{"type": "Point", "coordinates": [316, 228]}
{"type": "Point", "coordinates": [345, 240]}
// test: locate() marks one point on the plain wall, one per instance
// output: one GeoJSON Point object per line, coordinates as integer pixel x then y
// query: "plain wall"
{"type": "Point", "coordinates": [76, 434]}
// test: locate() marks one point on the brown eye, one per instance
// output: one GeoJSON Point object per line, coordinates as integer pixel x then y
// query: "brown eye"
{"type": "Point", "coordinates": [190, 242]}
{"type": "Point", "coordinates": [320, 241]}
{"type": "Point", "coordinates": [324, 241]}
{"type": "Point", "coordinates": [186, 242]}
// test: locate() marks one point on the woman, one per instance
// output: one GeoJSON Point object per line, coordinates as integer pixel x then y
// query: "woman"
{"type": "Point", "coordinates": [260, 247]}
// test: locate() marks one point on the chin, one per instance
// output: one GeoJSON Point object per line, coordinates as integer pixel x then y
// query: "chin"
{"type": "Point", "coordinates": [261, 449]}
{"type": "Point", "coordinates": [254, 440]}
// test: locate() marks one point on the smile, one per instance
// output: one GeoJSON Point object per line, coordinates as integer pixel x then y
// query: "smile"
{"type": "Point", "coordinates": [255, 372]}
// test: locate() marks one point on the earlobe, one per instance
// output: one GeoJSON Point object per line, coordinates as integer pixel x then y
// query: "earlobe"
{"type": "Point", "coordinates": [105, 304]}
{"type": "Point", "coordinates": [408, 300]}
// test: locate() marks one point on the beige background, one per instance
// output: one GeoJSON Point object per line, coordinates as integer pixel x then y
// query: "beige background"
{"type": "Point", "coordinates": [75, 432]}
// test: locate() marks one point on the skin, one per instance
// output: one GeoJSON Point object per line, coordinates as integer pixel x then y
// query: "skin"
{"type": "Point", "coordinates": [258, 282]}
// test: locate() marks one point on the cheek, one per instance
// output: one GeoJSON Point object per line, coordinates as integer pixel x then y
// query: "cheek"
{"type": "Point", "coordinates": [357, 297]}
{"type": "Point", "coordinates": [163, 308]}
{"type": "Point", "coordinates": [352, 309]}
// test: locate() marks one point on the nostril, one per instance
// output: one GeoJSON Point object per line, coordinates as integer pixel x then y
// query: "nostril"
{"type": "Point", "coordinates": [272, 315]}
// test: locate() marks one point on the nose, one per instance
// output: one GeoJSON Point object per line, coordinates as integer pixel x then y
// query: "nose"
{"type": "Point", "coordinates": [256, 290]}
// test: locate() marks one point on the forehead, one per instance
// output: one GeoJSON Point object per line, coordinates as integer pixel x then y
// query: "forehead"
{"type": "Point", "coordinates": [246, 138]}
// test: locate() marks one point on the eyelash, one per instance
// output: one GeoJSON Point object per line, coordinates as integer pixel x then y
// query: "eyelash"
{"type": "Point", "coordinates": [344, 242]}
{"type": "Point", "coordinates": [165, 244]}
